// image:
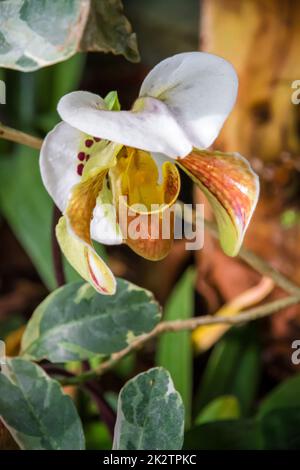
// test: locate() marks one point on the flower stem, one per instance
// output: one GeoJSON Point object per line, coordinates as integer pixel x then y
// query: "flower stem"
{"type": "Point", "coordinates": [56, 251]}
{"type": "Point", "coordinates": [253, 260]}
{"type": "Point", "coordinates": [106, 412]}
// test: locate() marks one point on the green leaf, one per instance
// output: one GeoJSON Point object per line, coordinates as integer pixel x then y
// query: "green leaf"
{"type": "Point", "coordinates": [221, 408]}
{"type": "Point", "coordinates": [108, 30]}
{"type": "Point", "coordinates": [174, 350]}
{"type": "Point", "coordinates": [278, 429]}
{"type": "Point", "coordinates": [37, 33]}
{"type": "Point", "coordinates": [233, 368]}
{"type": "Point", "coordinates": [97, 436]}
{"type": "Point", "coordinates": [36, 411]}
{"type": "Point", "coordinates": [59, 80]}
{"type": "Point", "coordinates": [285, 395]}
{"type": "Point", "coordinates": [27, 208]}
{"type": "Point", "coordinates": [24, 201]}
{"type": "Point", "coordinates": [150, 413]}
{"type": "Point", "coordinates": [112, 101]}
{"type": "Point", "coordinates": [281, 429]}
{"type": "Point", "coordinates": [75, 322]}
{"type": "Point", "coordinates": [125, 367]}
{"type": "Point", "coordinates": [242, 434]}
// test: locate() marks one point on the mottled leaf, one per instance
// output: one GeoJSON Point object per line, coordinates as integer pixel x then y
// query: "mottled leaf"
{"type": "Point", "coordinates": [36, 411]}
{"type": "Point", "coordinates": [108, 30]}
{"type": "Point", "coordinates": [150, 413]}
{"type": "Point", "coordinates": [75, 322]}
{"type": "Point", "coordinates": [37, 33]}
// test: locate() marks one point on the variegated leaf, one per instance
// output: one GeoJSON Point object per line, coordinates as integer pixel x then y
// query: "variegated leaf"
{"type": "Point", "coordinates": [75, 322]}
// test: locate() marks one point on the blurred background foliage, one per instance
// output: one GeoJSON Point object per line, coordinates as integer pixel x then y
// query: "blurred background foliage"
{"type": "Point", "coordinates": [244, 392]}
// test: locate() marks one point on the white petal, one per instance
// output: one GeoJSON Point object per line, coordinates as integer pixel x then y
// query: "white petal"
{"type": "Point", "coordinates": [58, 163]}
{"type": "Point", "coordinates": [104, 226]}
{"type": "Point", "coordinates": [149, 126]}
{"type": "Point", "coordinates": [199, 88]}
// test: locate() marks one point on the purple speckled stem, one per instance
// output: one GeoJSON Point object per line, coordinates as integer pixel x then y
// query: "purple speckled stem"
{"type": "Point", "coordinates": [107, 414]}
{"type": "Point", "coordinates": [56, 251]}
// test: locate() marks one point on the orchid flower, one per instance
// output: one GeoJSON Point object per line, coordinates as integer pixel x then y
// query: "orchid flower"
{"type": "Point", "coordinates": [99, 153]}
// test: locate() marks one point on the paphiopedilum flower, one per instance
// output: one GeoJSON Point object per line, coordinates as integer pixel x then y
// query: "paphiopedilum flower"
{"type": "Point", "coordinates": [99, 153]}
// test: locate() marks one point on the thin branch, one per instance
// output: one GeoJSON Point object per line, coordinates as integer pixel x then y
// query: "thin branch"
{"type": "Point", "coordinates": [8, 133]}
{"type": "Point", "coordinates": [190, 324]}
{"type": "Point", "coordinates": [253, 260]}
{"type": "Point", "coordinates": [19, 137]}
{"type": "Point", "coordinates": [258, 264]}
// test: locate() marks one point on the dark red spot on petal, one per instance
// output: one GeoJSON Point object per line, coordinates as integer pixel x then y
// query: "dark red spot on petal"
{"type": "Point", "coordinates": [87, 157]}
{"type": "Point", "coordinates": [80, 168]}
{"type": "Point", "coordinates": [89, 142]}
{"type": "Point", "coordinates": [97, 139]}
{"type": "Point", "coordinates": [81, 156]}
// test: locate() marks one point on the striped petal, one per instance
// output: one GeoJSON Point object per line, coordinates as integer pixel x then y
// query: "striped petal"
{"type": "Point", "coordinates": [85, 260]}
{"type": "Point", "coordinates": [232, 189]}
